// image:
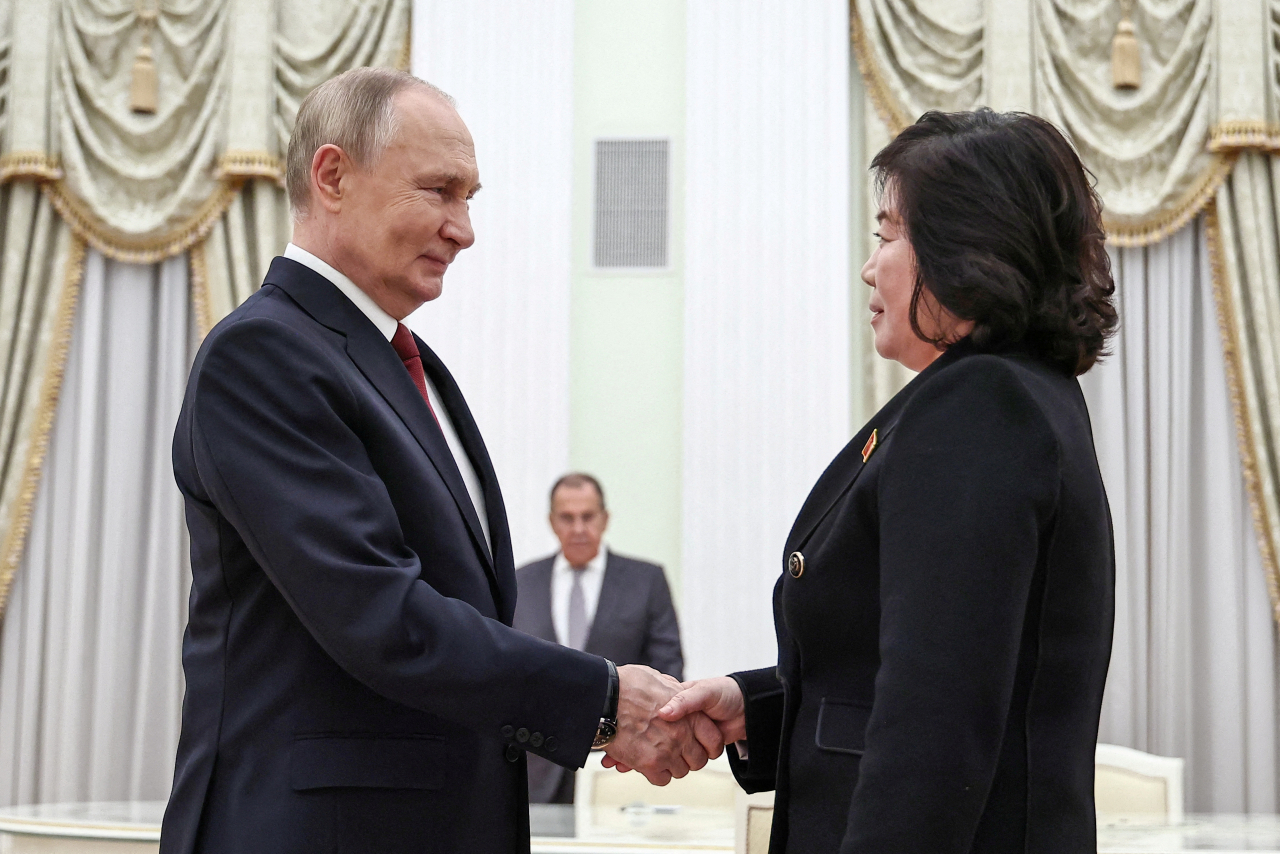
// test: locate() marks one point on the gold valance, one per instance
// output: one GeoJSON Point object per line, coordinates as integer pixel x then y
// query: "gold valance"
{"type": "Point", "coordinates": [229, 75]}
{"type": "Point", "coordinates": [1159, 152]}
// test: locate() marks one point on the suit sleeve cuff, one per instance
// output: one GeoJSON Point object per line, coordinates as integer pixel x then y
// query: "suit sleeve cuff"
{"type": "Point", "coordinates": [756, 768]}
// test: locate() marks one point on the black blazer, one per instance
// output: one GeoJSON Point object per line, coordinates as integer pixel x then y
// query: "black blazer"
{"type": "Point", "coordinates": [635, 623]}
{"type": "Point", "coordinates": [353, 683]}
{"type": "Point", "coordinates": [941, 657]}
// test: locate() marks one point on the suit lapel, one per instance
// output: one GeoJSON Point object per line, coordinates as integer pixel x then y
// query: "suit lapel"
{"type": "Point", "coordinates": [610, 599]}
{"type": "Point", "coordinates": [375, 358]}
{"type": "Point", "coordinates": [473, 444]}
{"type": "Point", "coordinates": [844, 470]}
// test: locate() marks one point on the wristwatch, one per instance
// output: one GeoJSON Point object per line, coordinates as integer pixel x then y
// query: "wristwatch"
{"type": "Point", "coordinates": [607, 730]}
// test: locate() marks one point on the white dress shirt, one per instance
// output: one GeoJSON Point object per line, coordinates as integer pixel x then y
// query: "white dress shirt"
{"type": "Point", "coordinates": [562, 585]}
{"type": "Point", "coordinates": [387, 326]}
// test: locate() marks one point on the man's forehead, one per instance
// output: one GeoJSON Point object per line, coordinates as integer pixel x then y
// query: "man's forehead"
{"type": "Point", "coordinates": [572, 493]}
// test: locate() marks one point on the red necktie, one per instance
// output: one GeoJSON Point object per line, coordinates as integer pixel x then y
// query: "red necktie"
{"type": "Point", "coordinates": [407, 349]}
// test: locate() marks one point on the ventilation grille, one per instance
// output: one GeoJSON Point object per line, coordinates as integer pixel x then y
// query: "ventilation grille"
{"type": "Point", "coordinates": [631, 202]}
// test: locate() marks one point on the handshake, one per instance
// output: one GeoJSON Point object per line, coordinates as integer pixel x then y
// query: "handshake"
{"type": "Point", "coordinates": [667, 729]}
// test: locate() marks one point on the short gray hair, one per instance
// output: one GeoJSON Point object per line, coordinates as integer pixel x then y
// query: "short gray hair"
{"type": "Point", "coordinates": [354, 111]}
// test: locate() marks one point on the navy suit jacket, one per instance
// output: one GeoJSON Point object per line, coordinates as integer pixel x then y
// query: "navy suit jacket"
{"type": "Point", "coordinates": [353, 683]}
{"type": "Point", "coordinates": [942, 653]}
{"type": "Point", "coordinates": [635, 623]}
{"type": "Point", "coordinates": [635, 620]}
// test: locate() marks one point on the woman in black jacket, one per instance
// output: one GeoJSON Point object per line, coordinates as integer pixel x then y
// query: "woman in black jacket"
{"type": "Point", "coordinates": [944, 613]}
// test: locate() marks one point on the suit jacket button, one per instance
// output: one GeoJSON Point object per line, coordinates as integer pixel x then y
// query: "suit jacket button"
{"type": "Point", "coordinates": [513, 753]}
{"type": "Point", "coordinates": [522, 735]}
{"type": "Point", "coordinates": [795, 564]}
{"type": "Point", "coordinates": [551, 744]}
{"type": "Point", "coordinates": [508, 731]}
{"type": "Point", "coordinates": [535, 740]}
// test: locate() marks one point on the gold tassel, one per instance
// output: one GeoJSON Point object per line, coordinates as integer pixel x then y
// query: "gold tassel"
{"type": "Point", "coordinates": [144, 90]}
{"type": "Point", "coordinates": [1126, 61]}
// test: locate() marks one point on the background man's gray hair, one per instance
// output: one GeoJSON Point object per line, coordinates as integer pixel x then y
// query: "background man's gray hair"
{"type": "Point", "coordinates": [354, 111]}
{"type": "Point", "coordinates": [576, 480]}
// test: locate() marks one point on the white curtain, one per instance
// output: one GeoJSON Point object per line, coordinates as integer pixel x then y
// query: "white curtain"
{"type": "Point", "coordinates": [502, 324]}
{"type": "Point", "coordinates": [90, 676]}
{"type": "Point", "coordinates": [1194, 666]}
{"type": "Point", "coordinates": [767, 396]}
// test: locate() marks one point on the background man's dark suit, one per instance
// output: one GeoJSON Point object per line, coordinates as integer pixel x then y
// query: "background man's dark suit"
{"type": "Point", "coordinates": [352, 681]}
{"type": "Point", "coordinates": [943, 652]}
{"type": "Point", "coordinates": [635, 623]}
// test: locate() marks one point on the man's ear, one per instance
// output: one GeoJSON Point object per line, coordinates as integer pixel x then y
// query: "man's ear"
{"type": "Point", "coordinates": [329, 166]}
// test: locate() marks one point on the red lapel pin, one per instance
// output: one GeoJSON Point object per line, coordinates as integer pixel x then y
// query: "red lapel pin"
{"type": "Point", "coordinates": [870, 447]}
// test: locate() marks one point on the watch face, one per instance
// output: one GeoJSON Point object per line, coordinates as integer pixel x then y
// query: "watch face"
{"type": "Point", "coordinates": [605, 733]}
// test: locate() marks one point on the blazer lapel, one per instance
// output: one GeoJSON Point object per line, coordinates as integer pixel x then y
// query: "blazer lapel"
{"type": "Point", "coordinates": [473, 444]}
{"type": "Point", "coordinates": [375, 358]}
{"type": "Point", "coordinates": [843, 471]}
{"type": "Point", "coordinates": [610, 599]}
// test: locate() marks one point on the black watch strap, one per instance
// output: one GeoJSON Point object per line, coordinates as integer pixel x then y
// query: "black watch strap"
{"type": "Point", "coordinates": [611, 698]}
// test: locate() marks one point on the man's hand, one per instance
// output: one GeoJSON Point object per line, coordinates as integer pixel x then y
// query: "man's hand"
{"type": "Point", "coordinates": [719, 698]}
{"type": "Point", "coordinates": [659, 749]}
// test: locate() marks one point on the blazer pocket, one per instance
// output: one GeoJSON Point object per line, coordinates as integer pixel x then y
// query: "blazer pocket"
{"type": "Point", "coordinates": [842, 726]}
{"type": "Point", "coordinates": [367, 761]}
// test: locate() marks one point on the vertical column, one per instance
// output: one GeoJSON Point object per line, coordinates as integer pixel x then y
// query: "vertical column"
{"type": "Point", "coordinates": [626, 339]}
{"type": "Point", "coordinates": [767, 386]}
{"type": "Point", "coordinates": [502, 323]}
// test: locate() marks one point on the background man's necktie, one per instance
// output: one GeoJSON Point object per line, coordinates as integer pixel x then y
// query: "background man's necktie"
{"type": "Point", "coordinates": [407, 349]}
{"type": "Point", "coordinates": [577, 613]}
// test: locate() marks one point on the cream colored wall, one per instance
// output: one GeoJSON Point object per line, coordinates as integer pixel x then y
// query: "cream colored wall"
{"type": "Point", "coordinates": [627, 328]}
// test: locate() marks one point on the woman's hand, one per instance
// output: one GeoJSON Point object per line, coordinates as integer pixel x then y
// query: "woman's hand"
{"type": "Point", "coordinates": [719, 698]}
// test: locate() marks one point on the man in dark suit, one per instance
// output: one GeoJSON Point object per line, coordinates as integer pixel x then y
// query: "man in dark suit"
{"type": "Point", "coordinates": [589, 598]}
{"type": "Point", "coordinates": [353, 682]}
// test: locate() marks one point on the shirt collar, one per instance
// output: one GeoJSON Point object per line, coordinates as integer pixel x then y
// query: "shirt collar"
{"type": "Point", "coordinates": [596, 564]}
{"type": "Point", "coordinates": [386, 323]}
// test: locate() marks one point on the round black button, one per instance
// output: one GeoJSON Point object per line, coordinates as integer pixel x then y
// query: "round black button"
{"type": "Point", "coordinates": [508, 731]}
{"type": "Point", "coordinates": [536, 739]}
{"type": "Point", "coordinates": [513, 753]}
{"type": "Point", "coordinates": [795, 564]}
{"type": "Point", "coordinates": [522, 735]}
{"type": "Point", "coordinates": [551, 744]}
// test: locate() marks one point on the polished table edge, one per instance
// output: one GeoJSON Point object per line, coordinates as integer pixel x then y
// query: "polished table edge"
{"type": "Point", "coordinates": [567, 845]}
{"type": "Point", "coordinates": [79, 830]}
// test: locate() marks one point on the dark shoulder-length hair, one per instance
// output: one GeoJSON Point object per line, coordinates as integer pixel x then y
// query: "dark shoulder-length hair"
{"type": "Point", "coordinates": [1007, 232]}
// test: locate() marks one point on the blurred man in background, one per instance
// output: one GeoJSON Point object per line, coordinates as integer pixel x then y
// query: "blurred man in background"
{"type": "Point", "coordinates": [591, 599]}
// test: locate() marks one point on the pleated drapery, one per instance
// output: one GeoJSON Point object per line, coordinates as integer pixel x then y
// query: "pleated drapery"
{"type": "Point", "coordinates": [1159, 151]}
{"type": "Point", "coordinates": [90, 676]}
{"type": "Point", "coordinates": [1248, 278]}
{"type": "Point", "coordinates": [1194, 665]}
{"type": "Point", "coordinates": [39, 276]}
{"type": "Point", "coordinates": [202, 173]}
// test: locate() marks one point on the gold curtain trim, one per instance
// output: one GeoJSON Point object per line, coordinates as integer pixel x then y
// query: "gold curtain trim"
{"type": "Point", "coordinates": [881, 96]}
{"type": "Point", "coordinates": [139, 250]}
{"type": "Point", "coordinates": [29, 164]}
{"type": "Point", "coordinates": [1124, 232]}
{"type": "Point", "coordinates": [1227, 310]}
{"type": "Point", "coordinates": [1234, 136]}
{"type": "Point", "coordinates": [240, 165]}
{"type": "Point", "coordinates": [1164, 223]}
{"type": "Point", "coordinates": [199, 263]}
{"type": "Point", "coordinates": [46, 409]}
